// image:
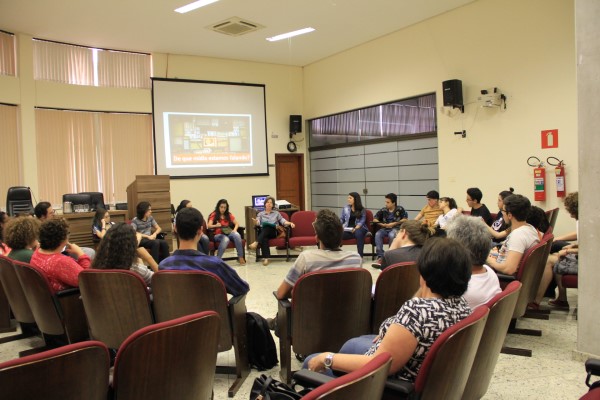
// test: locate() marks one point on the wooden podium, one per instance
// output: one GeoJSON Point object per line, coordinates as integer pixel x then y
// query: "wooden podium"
{"type": "Point", "coordinates": [155, 189]}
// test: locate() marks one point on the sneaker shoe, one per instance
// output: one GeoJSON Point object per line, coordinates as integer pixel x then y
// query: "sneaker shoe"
{"type": "Point", "coordinates": [376, 263]}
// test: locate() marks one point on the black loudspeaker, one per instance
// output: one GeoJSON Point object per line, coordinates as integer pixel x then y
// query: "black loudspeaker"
{"type": "Point", "coordinates": [453, 93]}
{"type": "Point", "coordinates": [295, 123]}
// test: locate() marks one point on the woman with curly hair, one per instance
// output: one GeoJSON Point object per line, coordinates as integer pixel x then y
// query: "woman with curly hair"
{"type": "Point", "coordinates": [225, 227]}
{"type": "Point", "coordinates": [61, 271]}
{"type": "Point", "coordinates": [119, 250]}
{"type": "Point", "coordinates": [21, 234]}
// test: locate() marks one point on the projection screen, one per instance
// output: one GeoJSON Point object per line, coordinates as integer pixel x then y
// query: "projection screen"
{"type": "Point", "coordinates": [209, 129]}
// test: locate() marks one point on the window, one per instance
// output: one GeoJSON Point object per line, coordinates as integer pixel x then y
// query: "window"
{"type": "Point", "coordinates": [81, 151]}
{"type": "Point", "coordinates": [79, 65]}
{"type": "Point", "coordinates": [399, 118]}
{"type": "Point", "coordinates": [8, 64]}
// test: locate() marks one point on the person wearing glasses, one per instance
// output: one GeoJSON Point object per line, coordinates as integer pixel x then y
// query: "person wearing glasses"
{"type": "Point", "coordinates": [478, 209]}
{"type": "Point", "coordinates": [519, 240]}
{"type": "Point", "coordinates": [432, 210]}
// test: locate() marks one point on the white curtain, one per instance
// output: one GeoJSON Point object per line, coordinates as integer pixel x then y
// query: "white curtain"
{"type": "Point", "coordinates": [126, 70]}
{"type": "Point", "coordinates": [8, 65]}
{"type": "Point", "coordinates": [10, 165]}
{"type": "Point", "coordinates": [88, 151]}
{"type": "Point", "coordinates": [64, 63]}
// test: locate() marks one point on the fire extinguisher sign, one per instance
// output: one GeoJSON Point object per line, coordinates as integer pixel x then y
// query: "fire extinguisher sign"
{"type": "Point", "coordinates": [550, 139]}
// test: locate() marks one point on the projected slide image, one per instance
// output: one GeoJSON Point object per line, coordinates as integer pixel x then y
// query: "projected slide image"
{"type": "Point", "coordinates": [207, 140]}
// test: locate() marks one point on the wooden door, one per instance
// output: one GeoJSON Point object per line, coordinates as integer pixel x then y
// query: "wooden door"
{"type": "Point", "coordinates": [289, 172]}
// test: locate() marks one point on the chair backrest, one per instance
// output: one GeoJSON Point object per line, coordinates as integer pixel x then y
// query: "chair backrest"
{"type": "Point", "coordinates": [396, 284]}
{"type": "Point", "coordinates": [14, 292]}
{"type": "Point", "coordinates": [531, 268]}
{"type": "Point", "coordinates": [365, 383]}
{"type": "Point", "coordinates": [72, 372]}
{"type": "Point", "coordinates": [116, 303]}
{"type": "Point", "coordinates": [501, 310]}
{"type": "Point", "coordinates": [330, 307]}
{"type": "Point", "coordinates": [553, 216]}
{"type": "Point", "coordinates": [446, 367]}
{"type": "Point", "coordinates": [179, 293]}
{"type": "Point", "coordinates": [40, 299]}
{"type": "Point", "coordinates": [18, 200]}
{"type": "Point", "coordinates": [96, 199]}
{"type": "Point", "coordinates": [174, 360]}
{"type": "Point", "coordinates": [303, 221]}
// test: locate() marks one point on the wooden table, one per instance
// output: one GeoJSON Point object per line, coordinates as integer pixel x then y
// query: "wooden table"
{"type": "Point", "coordinates": [80, 225]}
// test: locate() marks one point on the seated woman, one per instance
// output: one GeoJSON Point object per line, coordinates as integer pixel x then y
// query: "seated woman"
{"type": "Point", "coordinates": [354, 220]}
{"type": "Point", "coordinates": [145, 224]}
{"type": "Point", "coordinates": [204, 242]}
{"type": "Point", "coordinates": [100, 224]}
{"type": "Point", "coordinates": [448, 206]}
{"type": "Point", "coordinates": [21, 234]}
{"type": "Point", "coordinates": [225, 228]}
{"type": "Point", "coordinates": [268, 221]}
{"type": "Point", "coordinates": [499, 228]}
{"type": "Point", "coordinates": [445, 268]}
{"type": "Point", "coordinates": [407, 245]}
{"type": "Point", "coordinates": [62, 271]}
{"type": "Point", "coordinates": [119, 250]}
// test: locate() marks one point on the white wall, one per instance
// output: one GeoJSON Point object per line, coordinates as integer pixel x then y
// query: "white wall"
{"type": "Point", "coordinates": [525, 48]}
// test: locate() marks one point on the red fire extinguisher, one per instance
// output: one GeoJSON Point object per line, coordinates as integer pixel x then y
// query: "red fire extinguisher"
{"type": "Point", "coordinates": [539, 178]}
{"type": "Point", "coordinates": [559, 170]}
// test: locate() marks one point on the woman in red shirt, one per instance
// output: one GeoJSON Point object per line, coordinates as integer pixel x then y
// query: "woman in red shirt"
{"type": "Point", "coordinates": [225, 227]}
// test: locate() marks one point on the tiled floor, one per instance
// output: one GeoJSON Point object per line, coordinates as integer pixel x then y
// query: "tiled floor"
{"type": "Point", "coordinates": [550, 374]}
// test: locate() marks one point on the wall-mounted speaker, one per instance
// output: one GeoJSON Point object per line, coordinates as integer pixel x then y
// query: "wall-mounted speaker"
{"type": "Point", "coordinates": [453, 96]}
{"type": "Point", "coordinates": [295, 123]}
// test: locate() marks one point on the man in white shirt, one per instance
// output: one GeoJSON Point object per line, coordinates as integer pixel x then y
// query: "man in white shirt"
{"type": "Point", "coordinates": [472, 232]}
{"type": "Point", "coordinates": [522, 236]}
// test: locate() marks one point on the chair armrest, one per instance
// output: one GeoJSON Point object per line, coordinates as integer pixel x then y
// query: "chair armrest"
{"type": "Point", "coordinates": [592, 366]}
{"type": "Point", "coordinates": [506, 278]}
{"type": "Point", "coordinates": [242, 231]}
{"type": "Point", "coordinates": [399, 386]}
{"type": "Point", "coordinates": [310, 379]}
{"type": "Point", "coordinates": [68, 292]}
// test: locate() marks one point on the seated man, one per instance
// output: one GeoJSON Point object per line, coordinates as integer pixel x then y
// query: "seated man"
{"type": "Point", "coordinates": [474, 197]}
{"type": "Point", "coordinates": [521, 238]}
{"type": "Point", "coordinates": [388, 219]}
{"type": "Point", "coordinates": [329, 230]}
{"type": "Point", "coordinates": [432, 210]}
{"type": "Point", "coordinates": [188, 226]}
{"type": "Point", "coordinates": [473, 234]}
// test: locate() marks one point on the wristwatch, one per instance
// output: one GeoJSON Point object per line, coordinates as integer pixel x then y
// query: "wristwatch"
{"type": "Point", "coordinates": [328, 360]}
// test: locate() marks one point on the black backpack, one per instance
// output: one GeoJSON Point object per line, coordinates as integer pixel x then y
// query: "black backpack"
{"type": "Point", "coordinates": [262, 353]}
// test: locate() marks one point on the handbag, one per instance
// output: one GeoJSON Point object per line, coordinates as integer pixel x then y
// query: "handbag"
{"type": "Point", "coordinates": [267, 388]}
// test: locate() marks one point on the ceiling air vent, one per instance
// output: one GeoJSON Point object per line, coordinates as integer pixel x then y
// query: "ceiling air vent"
{"type": "Point", "coordinates": [235, 26]}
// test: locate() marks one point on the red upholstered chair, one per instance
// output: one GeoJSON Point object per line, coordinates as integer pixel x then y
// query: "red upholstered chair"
{"type": "Point", "coordinates": [365, 383]}
{"type": "Point", "coordinates": [172, 360]}
{"type": "Point", "coordinates": [368, 238]}
{"type": "Point", "coordinates": [15, 299]}
{"type": "Point", "coordinates": [72, 372]}
{"type": "Point", "coordinates": [280, 243]}
{"type": "Point", "coordinates": [60, 317]}
{"type": "Point", "coordinates": [445, 370]}
{"type": "Point", "coordinates": [592, 366]}
{"type": "Point", "coordinates": [116, 303]}
{"type": "Point", "coordinates": [396, 284]}
{"type": "Point", "coordinates": [501, 310]}
{"type": "Point", "coordinates": [303, 234]}
{"type": "Point", "coordinates": [179, 293]}
{"type": "Point", "coordinates": [328, 307]}
{"type": "Point", "coordinates": [531, 268]}
{"type": "Point", "coordinates": [570, 282]}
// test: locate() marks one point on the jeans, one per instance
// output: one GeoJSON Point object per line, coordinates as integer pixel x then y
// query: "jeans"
{"type": "Point", "coordinates": [359, 235]}
{"type": "Point", "coordinates": [204, 244]}
{"type": "Point", "coordinates": [357, 345]}
{"type": "Point", "coordinates": [379, 237]}
{"type": "Point", "coordinates": [223, 241]}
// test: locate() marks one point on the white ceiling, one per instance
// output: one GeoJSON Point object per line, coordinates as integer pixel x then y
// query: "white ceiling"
{"type": "Point", "coordinates": [153, 26]}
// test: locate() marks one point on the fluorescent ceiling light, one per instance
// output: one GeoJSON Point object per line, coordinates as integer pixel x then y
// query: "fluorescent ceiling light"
{"type": "Point", "coordinates": [194, 5]}
{"type": "Point", "coordinates": [290, 34]}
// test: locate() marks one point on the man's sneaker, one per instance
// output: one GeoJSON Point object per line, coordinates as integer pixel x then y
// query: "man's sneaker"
{"type": "Point", "coordinates": [376, 264]}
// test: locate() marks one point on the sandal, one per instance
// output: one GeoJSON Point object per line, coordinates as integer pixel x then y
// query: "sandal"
{"type": "Point", "coordinates": [559, 304]}
{"type": "Point", "coordinates": [533, 306]}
